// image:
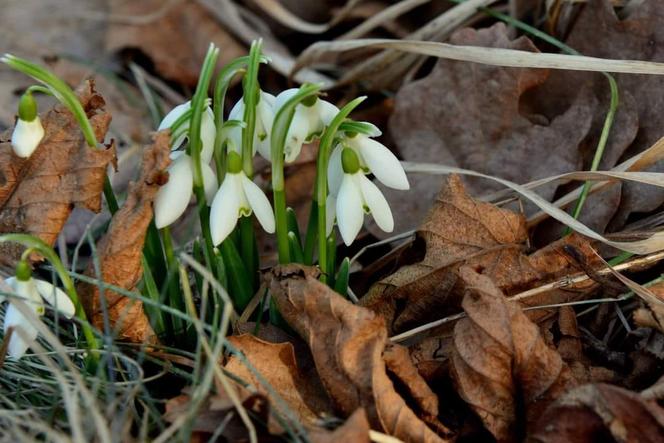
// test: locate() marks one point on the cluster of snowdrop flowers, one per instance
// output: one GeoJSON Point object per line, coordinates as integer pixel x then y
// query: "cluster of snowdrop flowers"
{"type": "Point", "coordinates": [33, 293]}
{"type": "Point", "coordinates": [28, 131]}
{"type": "Point", "coordinates": [351, 193]}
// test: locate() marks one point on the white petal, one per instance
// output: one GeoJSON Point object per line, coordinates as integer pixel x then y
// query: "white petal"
{"type": "Point", "coordinates": [15, 319]}
{"type": "Point", "coordinates": [10, 281]}
{"type": "Point", "coordinates": [56, 297]}
{"type": "Point", "coordinates": [173, 115]}
{"type": "Point", "coordinates": [173, 198]}
{"type": "Point", "coordinates": [281, 99]}
{"type": "Point", "coordinates": [259, 203]}
{"type": "Point", "coordinates": [237, 111]}
{"type": "Point", "coordinates": [335, 170]}
{"type": "Point", "coordinates": [297, 134]}
{"type": "Point", "coordinates": [225, 208]}
{"type": "Point", "coordinates": [381, 162]}
{"type": "Point", "coordinates": [209, 182]}
{"type": "Point", "coordinates": [265, 111]}
{"type": "Point", "coordinates": [234, 139]}
{"type": "Point", "coordinates": [350, 213]}
{"type": "Point", "coordinates": [377, 204]}
{"type": "Point", "coordinates": [326, 111]}
{"type": "Point", "coordinates": [208, 134]}
{"type": "Point", "coordinates": [330, 214]}
{"type": "Point", "coordinates": [26, 137]}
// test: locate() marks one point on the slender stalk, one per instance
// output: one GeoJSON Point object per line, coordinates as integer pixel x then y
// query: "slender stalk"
{"type": "Point", "coordinates": [171, 281]}
{"type": "Point", "coordinates": [197, 109]}
{"type": "Point", "coordinates": [320, 197]}
{"type": "Point", "coordinates": [282, 122]}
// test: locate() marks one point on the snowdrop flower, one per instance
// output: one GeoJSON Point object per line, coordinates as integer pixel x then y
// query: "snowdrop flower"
{"type": "Point", "coordinates": [33, 293]}
{"type": "Point", "coordinates": [28, 131]}
{"type": "Point", "coordinates": [173, 198]}
{"type": "Point", "coordinates": [310, 119]}
{"type": "Point", "coordinates": [238, 197]}
{"type": "Point", "coordinates": [357, 195]}
{"type": "Point", "coordinates": [374, 157]}
{"type": "Point", "coordinates": [263, 129]}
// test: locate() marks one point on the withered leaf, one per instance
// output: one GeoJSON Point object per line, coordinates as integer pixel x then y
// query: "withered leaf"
{"type": "Point", "coordinates": [277, 365]}
{"type": "Point", "coordinates": [601, 412]}
{"type": "Point", "coordinates": [354, 429]}
{"type": "Point", "coordinates": [120, 249]}
{"type": "Point", "coordinates": [599, 32]}
{"type": "Point", "coordinates": [501, 362]}
{"type": "Point", "coordinates": [218, 410]}
{"type": "Point", "coordinates": [461, 230]}
{"type": "Point", "coordinates": [652, 314]}
{"type": "Point", "coordinates": [347, 343]}
{"type": "Point", "coordinates": [37, 194]}
{"type": "Point", "coordinates": [473, 116]}
{"type": "Point", "coordinates": [175, 39]}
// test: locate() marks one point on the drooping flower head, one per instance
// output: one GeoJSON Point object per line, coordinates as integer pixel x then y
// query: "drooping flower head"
{"type": "Point", "coordinates": [33, 293]}
{"type": "Point", "coordinates": [310, 119]}
{"type": "Point", "coordinates": [356, 196]}
{"type": "Point", "coordinates": [28, 131]}
{"type": "Point", "coordinates": [173, 198]}
{"type": "Point", "coordinates": [374, 158]}
{"type": "Point", "coordinates": [238, 197]}
{"type": "Point", "coordinates": [262, 130]}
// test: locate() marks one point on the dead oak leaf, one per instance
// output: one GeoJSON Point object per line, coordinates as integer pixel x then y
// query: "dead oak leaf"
{"type": "Point", "coordinates": [600, 412]}
{"type": "Point", "coordinates": [175, 40]}
{"type": "Point", "coordinates": [460, 230]}
{"type": "Point", "coordinates": [277, 365]}
{"type": "Point", "coordinates": [500, 360]}
{"type": "Point", "coordinates": [120, 250]}
{"type": "Point", "coordinates": [472, 116]}
{"type": "Point", "coordinates": [347, 343]}
{"type": "Point", "coordinates": [37, 194]}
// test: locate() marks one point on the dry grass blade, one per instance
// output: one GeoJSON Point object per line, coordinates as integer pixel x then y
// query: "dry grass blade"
{"type": "Point", "coordinates": [389, 13]}
{"type": "Point", "coordinates": [278, 12]}
{"type": "Point", "coordinates": [651, 244]}
{"type": "Point", "coordinates": [491, 56]}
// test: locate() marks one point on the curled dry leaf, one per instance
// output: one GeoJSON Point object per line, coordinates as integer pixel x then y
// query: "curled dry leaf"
{"type": "Point", "coordinates": [461, 230]}
{"type": "Point", "coordinates": [601, 412]}
{"type": "Point", "coordinates": [37, 194]}
{"type": "Point", "coordinates": [479, 117]}
{"type": "Point", "coordinates": [652, 314]}
{"type": "Point", "coordinates": [355, 429]}
{"type": "Point", "coordinates": [347, 343]}
{"type": "Point", "coordinates": [174, 35]}
{"type": "Point", "coordinates": [276, 363]}
{"type": "Point", "coordinates": [217, 411]}
{"type": "Point", "coordinates": [120, 250]}
{"type": "Point", "coordinates": [501, 363]}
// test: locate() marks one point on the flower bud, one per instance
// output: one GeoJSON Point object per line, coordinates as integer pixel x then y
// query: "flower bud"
{"type": "Point", "coordinates": [28, 131]}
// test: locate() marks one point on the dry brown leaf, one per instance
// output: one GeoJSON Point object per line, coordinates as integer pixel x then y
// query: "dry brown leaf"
{"type": "Point", "coordinates": [461, 230]}
{"type": "Point", "coordinates": [347, 343]}
{"type": "Point", "coordinates": [472, 116]}
{"type": "Point", "coordinates": [175, 40]}
{"type": "Point", "coordinates": [601, 412]}
{"type": "Point", "coordinates": [217, 410]}
{"type": "Point", "coordinates": [119, 251]}
{"type": "Point", "coordinates": [38, 194]}
{"type": "Point", "coordinates": [276, 363]}
{"type": "Point", "coordinates": [598, 32]}
{"type": "Point", "coordinates": [652, 314]}
{"type": "Point", "coordinates": [500, 363]}
{"type": "Point", "coordinates": [355, 429]}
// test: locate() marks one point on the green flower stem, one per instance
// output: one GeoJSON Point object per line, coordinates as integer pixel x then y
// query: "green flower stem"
{"type": "Point", "coordinates": [282, 122]}
{"type": "Point", "coordinates": [172, 283]}
{"type": "Point", "coordinates": [197, 109]}
{"type": "Point", "coordinates": [221, 86]}
{"type": "Point", "coordinates": [324, 150]}
{"type": "Point", "coordinates": [37, 244]}
{"type": "Point", "coordinates": [312, 233]}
